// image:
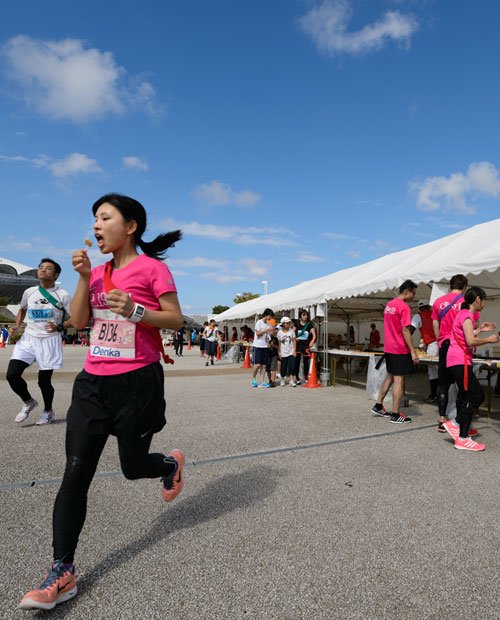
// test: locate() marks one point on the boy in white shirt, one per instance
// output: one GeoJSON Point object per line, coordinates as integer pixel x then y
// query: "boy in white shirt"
{"type": "Point", "coordinates": [262, 336]}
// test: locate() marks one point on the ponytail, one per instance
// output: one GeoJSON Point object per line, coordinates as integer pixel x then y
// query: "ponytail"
{"type": "Point", "coordinates": [159, 245]}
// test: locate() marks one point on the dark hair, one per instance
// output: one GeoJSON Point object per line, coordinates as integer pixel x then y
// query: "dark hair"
{"type": "Point", "coordinates": [57, 266]}
{"type": "Point", "coordinates": [470, 296]}
{"type": "Point", "coordinates": [408, 285]}
{"type": "Point", "coordinates": [268, 312]}
{"type": "Point", "coordinates": [302, 311]}
{"type": "Point", "coordinates": [458, 282]}
{"type": "Point", "coordinates": [133, 210]}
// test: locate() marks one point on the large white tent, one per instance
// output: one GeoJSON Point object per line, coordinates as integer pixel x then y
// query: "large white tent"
{"type": "Point", "coordinates": [362, 291]}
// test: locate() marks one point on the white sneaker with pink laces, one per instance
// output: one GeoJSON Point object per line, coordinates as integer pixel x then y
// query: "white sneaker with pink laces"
{"type": "Point", "coordinates": [462, 443]}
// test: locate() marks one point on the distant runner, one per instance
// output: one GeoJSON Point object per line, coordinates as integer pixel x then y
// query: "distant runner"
{"type": "Point", "coordinates": [45, 308]}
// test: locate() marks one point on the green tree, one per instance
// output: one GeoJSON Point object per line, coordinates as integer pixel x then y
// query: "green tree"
{"type": "Point", "coordinates": [219, 309]}
{"type": "Point", "coordinates": [241, 297]}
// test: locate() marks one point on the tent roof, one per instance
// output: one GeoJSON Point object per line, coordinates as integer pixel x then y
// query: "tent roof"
{"type": "Point", "coordinates": [364, 289]}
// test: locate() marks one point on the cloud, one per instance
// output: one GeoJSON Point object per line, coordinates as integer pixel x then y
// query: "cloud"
{"type": "Point", "coordinates": [222, 271]}
{"type": "Point", "coordinates": [480, 180]}
{"type": "Point", "coordinates": [306, 257]}
{"type": "Point", "coordinates": [14, 158]}
{"type": "Point", "coordinates": [219, 194]}
{"type": "Point", "coordinates": [135, 163]}
{"type": "Point", "coordinates": [199, 261]}
{"type": "Point", "coordinates": [224, 278]}
{"type": "Point", "coordinates": [68, 80]}
{"type": "Point", "coordinates": [256, 268]}
{"type": "Point", "coordinates": [338, 236]}
{"type": "Point", "coordinates": [327, 21]}
{"type": "Point", "coordinates": [242, 235]}
{"type": "Point", "coordinates": [72, 165]}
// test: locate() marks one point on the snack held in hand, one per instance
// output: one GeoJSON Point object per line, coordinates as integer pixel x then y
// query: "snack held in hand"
{"type": "Point", "coordinates": [88, 242]}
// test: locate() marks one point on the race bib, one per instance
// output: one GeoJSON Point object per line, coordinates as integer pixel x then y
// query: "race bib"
{"type": "Point", "coordinates": [40, 315]}
{"type": "Point", "coordinates": [112, 336]}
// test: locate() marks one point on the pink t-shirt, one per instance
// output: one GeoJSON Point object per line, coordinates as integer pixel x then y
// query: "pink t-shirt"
{"type": "Point", "coordinates": [397, 314]}
{"type": "Point", "coordinates": [456, 354]}
{"type": "Point", "coordinates": [118, 345]}
{"type": "Point", "coordinates": [447, 321]}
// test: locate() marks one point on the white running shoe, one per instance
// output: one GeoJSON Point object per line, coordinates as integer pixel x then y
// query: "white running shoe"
{"type": "Point", "coordinates": [293, 383]}
{"type": "Point", "coordinates": [26, 410]}
{"type": "Point", "coordinates": [46, 417]}
{"type": "Point", "coordinates": [282, 383]}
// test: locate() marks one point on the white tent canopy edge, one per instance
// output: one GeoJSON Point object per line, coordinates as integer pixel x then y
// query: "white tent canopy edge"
{"type": "Point", "coordinates": [363, 290]}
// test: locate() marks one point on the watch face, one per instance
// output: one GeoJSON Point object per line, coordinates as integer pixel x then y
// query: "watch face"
{"type": "Point", "coordinates": [139, 311]}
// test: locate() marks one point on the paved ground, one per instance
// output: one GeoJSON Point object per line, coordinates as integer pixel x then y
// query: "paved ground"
{"type": "Point", "coordinates": [298, 504]}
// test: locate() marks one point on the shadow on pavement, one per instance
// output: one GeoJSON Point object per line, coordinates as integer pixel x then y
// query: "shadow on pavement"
{"type": "Point", "coordinates": [218, 498]}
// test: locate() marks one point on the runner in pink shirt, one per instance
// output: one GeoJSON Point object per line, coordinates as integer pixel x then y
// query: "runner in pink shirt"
{"type": "Point", "coordinates": [444, 312]}
{"type": "Point", "coordinates": [459, 363]}
{"type": "Point", "coordinates": [399, 352]}
{"type": "Point", "coordinates": [120, 390]}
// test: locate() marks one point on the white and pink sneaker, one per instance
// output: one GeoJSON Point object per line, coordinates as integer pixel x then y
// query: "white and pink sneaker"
{"type": "Point", "coordinates": [469, 444]}
{"type": "Point", "coordinates": [452, 428]}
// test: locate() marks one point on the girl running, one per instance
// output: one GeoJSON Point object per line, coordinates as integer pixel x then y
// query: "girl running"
{"type": "Point", "coordinates": [120, 390]}
{"type": "Point", "coordinates": [459, 362]}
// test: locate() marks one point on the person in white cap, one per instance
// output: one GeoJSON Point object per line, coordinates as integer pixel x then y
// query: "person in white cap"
{"type": "Point", "coordinates": [287, 351]}
{"type": "Point", "coordinates": [422, 321]}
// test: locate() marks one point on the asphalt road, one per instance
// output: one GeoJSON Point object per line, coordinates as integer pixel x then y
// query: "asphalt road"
{"type": "Point", "coordinates": [298, 504]}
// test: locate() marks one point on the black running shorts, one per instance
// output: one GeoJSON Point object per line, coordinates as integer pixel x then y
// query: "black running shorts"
{"type": "Point", "coordinates": [399, 365]}
{"type": "Point", "coordinates": [261, 356]}
{"type": "Point", "coordinates": [128, 405]}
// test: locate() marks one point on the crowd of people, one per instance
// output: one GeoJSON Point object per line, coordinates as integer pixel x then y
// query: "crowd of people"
{"type": "Point", "coordinates": [120, 390]}
{"type": "Point", "coordinates": [451, 330]}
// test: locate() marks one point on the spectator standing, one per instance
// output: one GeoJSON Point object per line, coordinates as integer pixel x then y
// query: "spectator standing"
{"type": "Point", "coordinates": [202, 339]}
{"type": "Point", "coordinates": [212, 337]}
{"type": "Point", "coordinates": [262, 337]}
{"type": "Point", "coordinates": [273, 361]}
{"type": "Point", "coordinates": [400, 354]}
{"type": "Point", "coordinates": [374, 338]}
{"type": "Point", "coordinates": [179, 336]}
{"type": "Point", "coordinates": [423, 322]}
{"type": "Point", "coordinates": [287, 351]}
{"type": "Point", "coordinates": [305, 332]}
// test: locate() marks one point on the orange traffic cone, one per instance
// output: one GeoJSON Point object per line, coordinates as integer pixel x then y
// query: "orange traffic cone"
{"type": "Point", "coordinates": [2, 342]}
{"type": "Point", "coordinates": [189, 345]}
{"type": "Point", "coordinates": [218, 357]}
{"type": "Point", "coordinates": [247, 363]}
{"type": "Point", "coordinates": [312, 377]}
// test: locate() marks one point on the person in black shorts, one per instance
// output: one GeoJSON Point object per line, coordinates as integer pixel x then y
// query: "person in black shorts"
{"type": "Point", "coordinates": [400, 354]}
{"type": "Point", "coordinates": [120, 390]}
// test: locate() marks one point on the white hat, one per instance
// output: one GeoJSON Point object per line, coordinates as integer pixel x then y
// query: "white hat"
{"type": "Point", "coordinates": [423, 302]}
{"type": "Point", "coordinates": [285, 319]}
